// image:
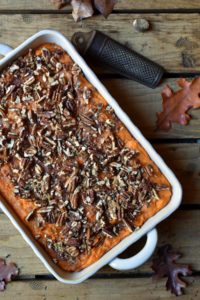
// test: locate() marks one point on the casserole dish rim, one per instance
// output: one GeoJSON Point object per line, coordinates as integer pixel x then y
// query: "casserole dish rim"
{"type": "Point", "coordinates": [51, 36]}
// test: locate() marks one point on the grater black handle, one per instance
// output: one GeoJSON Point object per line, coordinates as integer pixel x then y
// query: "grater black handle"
{"type": "Point", "coordinates": [123, 60]}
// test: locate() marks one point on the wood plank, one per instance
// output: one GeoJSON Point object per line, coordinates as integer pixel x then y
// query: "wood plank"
{"type": "Point", "coordinates": [157, 4]}
{"type": "Point", "coordinates": [142, 103]}
{"type": "Point", "coordinates": [131, 4]}
{"type": "Point", "coordinates": [173, 41]}
{"type": "Point", "coordinates": [184, 160]}
{"type": "Point", "coordinates": [104, 289]}
{"type": "Point", "coordinates": [178, 229]}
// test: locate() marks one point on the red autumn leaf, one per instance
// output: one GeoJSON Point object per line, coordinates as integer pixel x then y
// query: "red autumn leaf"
{"type": "Point", "coordinates": [82, 9]}
{"type": "Point", "coordinates": [164, 265]}
{"type": "Point", "coordinates": [105, 7]}
{"type": "Point", "coordinates": [176, 104]}
{"type": "Point", "coordinates": [7, 272]}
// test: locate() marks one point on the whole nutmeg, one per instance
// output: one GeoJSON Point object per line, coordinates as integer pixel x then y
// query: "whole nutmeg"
{"type": "Point", "coordinates": [141, 25]}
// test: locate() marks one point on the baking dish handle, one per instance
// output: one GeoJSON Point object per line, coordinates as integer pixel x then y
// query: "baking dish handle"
{"type": "Point", "coordinates": [5, 49]}
{"type": "Point", "coordinates": [139, 258]}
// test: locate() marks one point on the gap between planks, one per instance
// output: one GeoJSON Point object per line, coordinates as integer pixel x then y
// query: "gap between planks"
{"type": "Point", "coordinates": [115, 11]}
{"type": "Point", "coordinates": [105, 289]}
{"type": "Point", "coordinates": [130, 275]}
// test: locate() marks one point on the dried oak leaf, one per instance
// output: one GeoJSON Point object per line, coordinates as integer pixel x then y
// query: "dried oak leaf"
{"type": "Point", "coordinates": [164, 265]}
{"type": "Point", "coordinates": [105, 7]}
{"type": "Point", "coordinates": [82, 9]}
{"type": "Point", "coordinates": [7, 272]}
{"type": "Point", "coordinates": [176, 104]}
{"type": "Point", "coordinates": [85, 8]}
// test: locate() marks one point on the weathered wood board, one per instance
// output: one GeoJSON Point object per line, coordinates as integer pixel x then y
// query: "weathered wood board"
{"type": "Point", "coordinates": [98, 289]}
{"type": "Point", "coordinates": [178, 230]}
{"type": "Point", "coordinates": [173, 40]}
{"type": "Point", "coordinates": [121, 4]}
{"type": "Point", "coordinates": [142, 104]}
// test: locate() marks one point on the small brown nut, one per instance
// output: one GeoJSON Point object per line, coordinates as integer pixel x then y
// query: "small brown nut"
{"type": "Point", "coordinates": [141, 25]}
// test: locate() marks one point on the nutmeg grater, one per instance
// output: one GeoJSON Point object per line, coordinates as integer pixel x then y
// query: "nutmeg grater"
{"type": "Point", "coordinates": [120, 58]}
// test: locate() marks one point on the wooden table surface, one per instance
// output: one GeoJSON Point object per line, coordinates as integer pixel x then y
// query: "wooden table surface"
{"type": "Point", "coordinates": [173, 41]}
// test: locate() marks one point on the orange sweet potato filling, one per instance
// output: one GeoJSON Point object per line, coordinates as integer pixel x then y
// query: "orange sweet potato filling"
{"type": "Point", "coordinates": [22, 207]}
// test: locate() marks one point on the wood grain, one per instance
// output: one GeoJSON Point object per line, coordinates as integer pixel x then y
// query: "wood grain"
{"type": "Point", "coordinates": [178, 229]}
{"type": "Point", "coordinates": [184, 160]}
{"type": "Point", "coordinates": [130, 4]}
{"type": "Point", "coordinates": [104, 289]}
{"type": "Point", "coordinates": [173, 41]}
{"type": "Point", "coordinates": [142, 104]}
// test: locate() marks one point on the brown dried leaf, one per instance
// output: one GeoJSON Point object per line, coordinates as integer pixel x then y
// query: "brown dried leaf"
{"type": "Point", "coordinates": [176, 104]}
{"type": "Point", "coordinates": [7, 272]}
{"type": "Point", "coordinates": [61, 3]}
{"type": "Point", "coordinates": [105, 7]}
{"type": "Point", "coordinates": [82, 9]}
{"type": "Point", "coordinates": [164, 265]}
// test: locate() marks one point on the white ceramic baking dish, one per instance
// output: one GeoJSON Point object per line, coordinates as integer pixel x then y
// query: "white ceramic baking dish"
{"type": "Point", "coordinates": [50, 36]}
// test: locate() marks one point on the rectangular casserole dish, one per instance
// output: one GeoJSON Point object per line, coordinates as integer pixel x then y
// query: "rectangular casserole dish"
{"type": "Point", "coordinates": [50, 36]}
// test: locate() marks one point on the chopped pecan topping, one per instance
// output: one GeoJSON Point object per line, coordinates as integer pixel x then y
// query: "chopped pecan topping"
{"type": "Point", "coordinates": [65, 155]}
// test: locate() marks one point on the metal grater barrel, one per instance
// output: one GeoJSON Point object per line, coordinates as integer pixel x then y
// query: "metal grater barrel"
{"type": "Point", "coordinates": [118, 57]}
